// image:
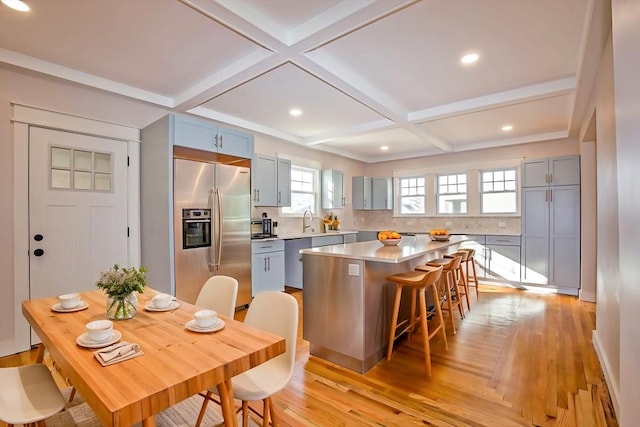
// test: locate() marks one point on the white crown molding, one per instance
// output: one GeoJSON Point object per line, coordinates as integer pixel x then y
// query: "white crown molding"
{"type": "Point", "coordinates": [500, 99]}
{"type": "Point", "coordinates": [45, 67]}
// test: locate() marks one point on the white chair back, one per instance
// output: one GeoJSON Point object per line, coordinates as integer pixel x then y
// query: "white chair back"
{"type": "Point", "coordinates": [219, 293]}
{"type": "Point", "coordinates": [277, 313]}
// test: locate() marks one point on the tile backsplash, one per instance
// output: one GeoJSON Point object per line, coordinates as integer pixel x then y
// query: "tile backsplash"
{"type": "Point", "coordinates": [382, 220]}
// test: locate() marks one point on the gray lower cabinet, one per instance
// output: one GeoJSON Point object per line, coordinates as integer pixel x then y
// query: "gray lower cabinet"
{"type": "Point", "coordinates": [502, 258]}
{"type": "Point", "coordinates": [367, 235]}
{"type": "Point", "coordinates": [293, 259]}
{"type": "Point", "coordinates": [267, 266]}
{"type": "Point", "coordinates": [477, 242]}
{"type": "Point", "coordinates": [551, 235]}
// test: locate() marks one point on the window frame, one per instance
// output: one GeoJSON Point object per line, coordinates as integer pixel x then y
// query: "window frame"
{"type": "Point", "coordinates": [515, 191]}
{"type": "Point", "coordinates": [315, 192]}
{"type": "Point", "coordinates": [457, 184]}
{"type": "Point", "coordinates": [399, 198]}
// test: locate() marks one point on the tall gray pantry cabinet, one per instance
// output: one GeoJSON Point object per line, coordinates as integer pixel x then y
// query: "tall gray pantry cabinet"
{"type": "Point", "coordinates": [551, 222]}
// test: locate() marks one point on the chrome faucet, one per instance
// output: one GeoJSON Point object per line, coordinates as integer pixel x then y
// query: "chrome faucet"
{"type": "Point", "coordinates": [305, 226]}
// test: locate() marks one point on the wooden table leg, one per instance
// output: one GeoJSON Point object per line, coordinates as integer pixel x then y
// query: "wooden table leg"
{"type": "Point", "coordinates": [149, 422]}
{"type": "Point", "coordinates": [40, 353]}
{"type": "Point", "coordinates": [226, 402]}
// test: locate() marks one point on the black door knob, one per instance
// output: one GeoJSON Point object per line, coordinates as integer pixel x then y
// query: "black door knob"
{"type": "Point", "coordinates": [38, 252]}
{"type": "Point", "coordinates": [38, 237]}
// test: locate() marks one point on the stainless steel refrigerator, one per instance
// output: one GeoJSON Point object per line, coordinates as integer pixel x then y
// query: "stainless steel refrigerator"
{"type": "Point", "coordinates": [212, 207]}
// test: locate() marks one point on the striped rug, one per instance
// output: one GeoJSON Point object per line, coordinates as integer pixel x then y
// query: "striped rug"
{"type": "Point", "coordinates": [184, 414]}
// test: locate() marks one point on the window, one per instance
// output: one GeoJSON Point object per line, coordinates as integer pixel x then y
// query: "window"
{"type": "Point", "coordinates": [72, 169]}
{"type": "Point", "coordinates": [412, 195]}
{"type": "Point", "coordinates": [498, 189]}
{"type": "Point", "coordinates": [304, 183]}
{"type": "Point", "coordinates": [452, 194]}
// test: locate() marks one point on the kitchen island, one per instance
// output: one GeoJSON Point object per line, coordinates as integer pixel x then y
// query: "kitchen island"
{"type": "Point", "coordinates": [348, 301]}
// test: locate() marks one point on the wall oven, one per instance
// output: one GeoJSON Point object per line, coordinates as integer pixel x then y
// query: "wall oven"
{"type": "Point", "coordinates": [196, 228]}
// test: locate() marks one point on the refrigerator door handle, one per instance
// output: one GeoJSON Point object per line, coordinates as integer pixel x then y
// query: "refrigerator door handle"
{"type": "Point", "coordinates": [211, 250]}
{"type": "Point", "coordinates": [220, 217]}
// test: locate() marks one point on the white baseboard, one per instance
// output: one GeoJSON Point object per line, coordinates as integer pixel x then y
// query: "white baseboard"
{"type": "Point", "coordinates": [589, 296]}
{"type": "Point", "coordinates": [612, 385]}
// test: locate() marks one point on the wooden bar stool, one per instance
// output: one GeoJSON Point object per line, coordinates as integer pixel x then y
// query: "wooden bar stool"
{"type": "Point", "coordinates": [471, 260]}
{"type": "Point", "coordinates": [418, 282]}
{"type": "Point", "coordinates": [460, 276]}
{"type": "Point", "coordinates": [448, 281]}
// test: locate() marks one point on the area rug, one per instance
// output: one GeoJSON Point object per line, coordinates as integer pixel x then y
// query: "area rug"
{"type": "Point", "coordinates": [184, 414]}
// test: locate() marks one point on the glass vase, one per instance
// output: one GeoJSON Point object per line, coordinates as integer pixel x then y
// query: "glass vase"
{"type": "Point", "coordinates": [121, 308]}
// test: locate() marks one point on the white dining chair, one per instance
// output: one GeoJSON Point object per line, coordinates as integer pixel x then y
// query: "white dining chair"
{"type": "Point", "coordinates": [219, 293]}
{"type": "Point", "coordinates": [277, 313]}
{"type": "Point", "coordinates": [29, 395]}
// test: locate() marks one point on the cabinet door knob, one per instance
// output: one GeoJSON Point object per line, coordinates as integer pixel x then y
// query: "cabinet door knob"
{"type": "Point", "coordinates": [38, 237]}
{"type": "Point", "coordinates": [38, 252]}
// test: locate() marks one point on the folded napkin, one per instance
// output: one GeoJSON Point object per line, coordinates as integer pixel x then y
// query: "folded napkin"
{"type": "Point", "coordinates": [117, 353]}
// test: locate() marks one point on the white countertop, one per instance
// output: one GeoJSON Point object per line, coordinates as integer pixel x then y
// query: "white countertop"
{"type": "Point", "coordinates": [410, 247]}
{"type": "Point", "coordinates": [303, 235]}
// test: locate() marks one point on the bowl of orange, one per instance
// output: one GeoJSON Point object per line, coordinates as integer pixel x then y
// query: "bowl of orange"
{"type": "Point", "coordinates": [389, 238]}
{"type": "Point", "coordinates": [439, 235]}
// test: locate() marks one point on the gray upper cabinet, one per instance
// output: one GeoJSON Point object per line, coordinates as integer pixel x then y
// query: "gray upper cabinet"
{"type": "Point", "coordinates": [235, 143]}
{"type": "Point", "coordinates": [332, 189]}
{"type": "Point", "coordinates": [271, 181]}
{"type": "Point", "coordinates": [382, 193]}
{"type": "Point", "coordinates": [284, 182]}
{"type": "Point", "coordinates": [551, 171]}
{"type": "Point", "coordinates": [202, 135]}
{"type": "Point", "coordinates": [264, 176]}
{"type": "Point", "coordinates": [372, 193]}
{"type": "Point", "coordinates": [361, 192]}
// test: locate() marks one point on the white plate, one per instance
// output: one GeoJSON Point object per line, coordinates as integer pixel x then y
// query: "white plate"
{"type": "Point", "coordinates": [84, 341]}
{"type": "Point", "coordinates": [193, 326]}
{"type": "Point", "coordinates": [172, 306]}
{"type": "Point", "coordinates": [57, 307]}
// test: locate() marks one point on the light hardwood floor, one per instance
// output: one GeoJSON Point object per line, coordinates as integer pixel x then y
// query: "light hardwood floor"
{"type": "Point", "coordinates": [519, 358]}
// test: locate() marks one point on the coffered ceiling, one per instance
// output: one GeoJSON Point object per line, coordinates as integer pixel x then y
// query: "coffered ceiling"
{"type": "Point", "coordinates": [364, 73]}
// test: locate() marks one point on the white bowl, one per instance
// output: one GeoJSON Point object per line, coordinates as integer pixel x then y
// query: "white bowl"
{"type": "Point", "coordinates": [69, 300]}
{"type": "Point", "coordinates": [390, 242]}
{"type": "Point", "coordinates": [205, 318]}
{"type": "Point", "coordinates": [99, 330]}
{"type": "Point", "coordinates": [161, 300]}
{"type": "Point", "coordinates": [439, 237]}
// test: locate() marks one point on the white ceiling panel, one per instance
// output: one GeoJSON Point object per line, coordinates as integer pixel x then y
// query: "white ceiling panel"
{"type": "Point", "coordinates": [269, 97]}
{"type": "Point", "coordinates": [542, 116]}
{"type": "Point", "coordinates": [413, 55]}
{"type": "Point", "coordinates": [364, 73]}
{"type": "Point", "coordinates": [161, 46]}
{"type": "Point", "coordinates": [400, 143]}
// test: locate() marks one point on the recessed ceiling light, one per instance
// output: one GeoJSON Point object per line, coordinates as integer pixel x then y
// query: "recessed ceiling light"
{"type": "Point", "coordinates": [507, 128]}
{"type": "Point", "coordinates": [17, 5]}
{"type": "Point", "coordinates": [384, 147]}
{"type": "Point", "coordinates": [469, 58]}
{"type": "Point", "coordinates": [295, 112]}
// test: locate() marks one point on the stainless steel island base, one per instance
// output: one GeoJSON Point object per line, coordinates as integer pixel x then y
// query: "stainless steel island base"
{"type": "Point", "coordinates": [348, 302]}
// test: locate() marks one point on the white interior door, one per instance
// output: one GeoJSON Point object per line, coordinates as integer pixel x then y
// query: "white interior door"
{"type": "Point", "coordinates": [77, 210]}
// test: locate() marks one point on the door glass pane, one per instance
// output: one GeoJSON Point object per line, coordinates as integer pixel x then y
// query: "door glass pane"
{"type": "Point", "coordinates": [60, 178]}
{"type": "Point", "coordinates": [82, 180]}
{"type": "Point", "coordinates": [103, 162]}
{"type": "Point", "coordinates": [60, 157]}
{"type": "Point", "coordinates": [102, 182]}
{"type": "Point", "coordinates": [82, 160]}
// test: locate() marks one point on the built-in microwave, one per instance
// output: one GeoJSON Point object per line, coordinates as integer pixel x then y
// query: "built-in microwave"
{"type": "Point", "coordinates": [196, 228]}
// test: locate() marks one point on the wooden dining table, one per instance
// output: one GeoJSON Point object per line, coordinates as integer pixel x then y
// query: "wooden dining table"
{"type": "Point", "coordinates": [177, 363]}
